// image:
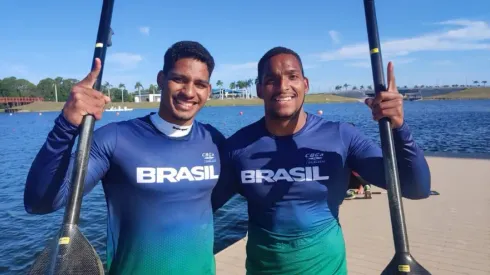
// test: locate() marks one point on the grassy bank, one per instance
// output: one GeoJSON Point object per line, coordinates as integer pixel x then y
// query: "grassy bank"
{"type": "Point", "coordinates": [471, 93]}
{"type": "Point", "coordinates": [56, 106]}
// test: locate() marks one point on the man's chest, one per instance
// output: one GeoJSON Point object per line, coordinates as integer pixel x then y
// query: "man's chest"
{"type": "Point", "coordinates": [169, 168]}
{"type": "Point", "coordinates": [292, 171]}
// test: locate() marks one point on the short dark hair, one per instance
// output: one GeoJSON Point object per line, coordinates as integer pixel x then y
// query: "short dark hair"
{"type": "Point", "coordinates": [187, 49]}
{"type": "Point", "coordinates": [273, 52]}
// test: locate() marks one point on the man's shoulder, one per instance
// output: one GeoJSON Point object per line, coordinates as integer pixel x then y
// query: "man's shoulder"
{"type": "Point", "coordinates": [210, 131]}
{"type": "Point", "coordinates": [112, 129]}
{"type": "Point", "coordinates": [246, 136]}
{"type": "Point", "coordinates": [318, 123]}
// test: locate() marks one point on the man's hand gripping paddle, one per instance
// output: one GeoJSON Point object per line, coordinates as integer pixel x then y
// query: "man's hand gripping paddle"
{"type": "Point", "coordinates": [402, 262]}
{"type": "Point", "coordinates": [70, 252]}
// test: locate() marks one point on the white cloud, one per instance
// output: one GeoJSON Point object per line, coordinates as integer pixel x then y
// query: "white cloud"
{"type": "Point", "coordinates": [465, 35]}
{"type": "Point", "coordinates": [335, 36]}
{"type": "Point", "coordinates": [367, 64]}
{"type": "Point", "coordinates": [145, 30]}
{"type": "Point", "coordinates": [125, 61]}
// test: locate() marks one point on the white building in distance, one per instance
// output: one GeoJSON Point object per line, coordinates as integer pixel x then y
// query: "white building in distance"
{"type": "Point", "coordinates": [147, 98]}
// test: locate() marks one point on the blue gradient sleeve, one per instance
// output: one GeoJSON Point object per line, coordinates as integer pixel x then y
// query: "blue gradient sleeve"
{"type": "Point", "coordinates": [47, 185]}
{"type": "Point", "coordinates": [365, 157]}
{"type": "Point", "coordinates": [228, 182]}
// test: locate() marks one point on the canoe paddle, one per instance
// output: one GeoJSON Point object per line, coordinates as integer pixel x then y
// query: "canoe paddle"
{"type": "Point", "coordinates": [402, 262]}
{"type": "Point", "coordinates": [70, 252]}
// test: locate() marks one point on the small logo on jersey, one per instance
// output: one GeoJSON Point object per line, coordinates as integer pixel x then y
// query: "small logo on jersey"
{"type": "Point", "coordinates": [208, 157]}
{"type": "Point", "coordinates": [314, 158]}
{"type": "Point", "coordinates": [177, 128]}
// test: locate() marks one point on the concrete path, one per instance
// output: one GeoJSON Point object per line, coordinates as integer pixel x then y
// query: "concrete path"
{"type": "Point", "coordinates": [448, 234]}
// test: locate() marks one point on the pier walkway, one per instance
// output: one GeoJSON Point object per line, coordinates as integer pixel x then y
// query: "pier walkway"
{"type": "Point", "coordinates": [449, 234]}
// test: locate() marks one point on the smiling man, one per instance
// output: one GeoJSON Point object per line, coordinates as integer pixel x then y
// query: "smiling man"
{"type": "Point", "coordinates": [157, 171]}
{"type": "Point", "coordinates": [293, 169]}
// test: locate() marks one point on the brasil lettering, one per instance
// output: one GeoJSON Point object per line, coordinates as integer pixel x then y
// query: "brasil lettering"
{"type": "Point", "coordinates": [169, 174]}
{"type": "Point", "coordinates": [310, 173]}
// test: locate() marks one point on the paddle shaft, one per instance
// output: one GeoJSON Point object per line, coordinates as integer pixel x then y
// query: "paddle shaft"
{"type": "Point", "coordinates": [72, 212]}
{"type": "Point", "coordinates": [386, 135]}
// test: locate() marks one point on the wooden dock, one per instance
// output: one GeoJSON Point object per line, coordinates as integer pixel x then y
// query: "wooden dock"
{"type": "Point", "coordinates": [449, 233]}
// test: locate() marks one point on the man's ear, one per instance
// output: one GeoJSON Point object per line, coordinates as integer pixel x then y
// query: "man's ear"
{"type": "Point", "coordinates": [258, 88]}
{"type": "Point", "coordinates": [307, 85]}
{"type": "Point", "coordinates": [210, 90]}
{"type": "Point", "coordinates": [160, 79]}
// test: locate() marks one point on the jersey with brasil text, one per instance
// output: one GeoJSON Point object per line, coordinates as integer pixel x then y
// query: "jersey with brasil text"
{"type": "Point", "coordinates": [157, 189]}
{"type": "Point", "coordinates": [294, 186]}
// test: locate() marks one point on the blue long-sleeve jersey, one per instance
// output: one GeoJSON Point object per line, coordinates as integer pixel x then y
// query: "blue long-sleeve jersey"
{"type": "Point", "coordinates": [295, 184]}
{"type": "Point", "coordinates": [157, 189]}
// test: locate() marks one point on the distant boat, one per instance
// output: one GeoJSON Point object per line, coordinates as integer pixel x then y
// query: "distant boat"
{"type": "Point", "coordinates": [119, 109]}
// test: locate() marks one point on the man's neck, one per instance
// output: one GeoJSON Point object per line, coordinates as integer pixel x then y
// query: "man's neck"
{"type": "Point", "coordinates": [170, 128]}
{"type": "Point", "coordinates": [286, 127]}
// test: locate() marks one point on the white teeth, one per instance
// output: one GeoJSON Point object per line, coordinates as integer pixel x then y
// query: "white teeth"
{"type": "Point", "coordinates": [283, 98]}
{"type": "Point", "coordinates": [185, 104]}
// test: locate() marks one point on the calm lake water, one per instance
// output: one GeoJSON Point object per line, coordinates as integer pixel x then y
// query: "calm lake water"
{"type": "Point", "coordinates": [438, 126]}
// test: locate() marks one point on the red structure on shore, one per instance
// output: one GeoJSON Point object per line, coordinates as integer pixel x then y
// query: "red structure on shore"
{"type": "Point", "coordinates": [9, 103]}
{"type": "Point", "coordinates": [19, 100]}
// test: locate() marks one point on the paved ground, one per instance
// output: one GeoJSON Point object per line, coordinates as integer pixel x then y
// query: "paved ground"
{"type": "Point", "coordinates": [448, 234]}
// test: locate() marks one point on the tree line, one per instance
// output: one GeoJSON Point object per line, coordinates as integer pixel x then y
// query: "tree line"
{"type": "Point", "coordinates": [370, 87]}
{"type": "Point", "coordinates": [59, 88]}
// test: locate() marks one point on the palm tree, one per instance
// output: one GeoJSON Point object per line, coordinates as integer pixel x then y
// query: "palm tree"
{"type": "Point", "coordinates": [219, 83]}
{"type": "Point", "coordinates": [138, 86]}
{"type": "Point", "coordinates": [250, 82]}
{"type": "Point", "coordinates": [107, 86]}
{"type": "Point", "coordinates": [152, 88]}
{"type": "Point", "coordinates": [346, 86]}
{"type": "Point", "coordinates": [123, 88]}
{"type": "Point", "coordinates": [476, 82]}
{"type": "Point", "coordinates": [484, 82]}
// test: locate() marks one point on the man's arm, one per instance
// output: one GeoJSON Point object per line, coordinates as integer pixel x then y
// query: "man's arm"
{"type": "Point", "coordinates": [365, 157]}
{"type": "Point", "coordinates": [227, 185]}
{"type": "Point", "coordinates": [47, 187]}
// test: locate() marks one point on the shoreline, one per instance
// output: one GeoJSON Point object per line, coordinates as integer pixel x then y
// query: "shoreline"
{"type": "Point", "coordinates": [49, 106]}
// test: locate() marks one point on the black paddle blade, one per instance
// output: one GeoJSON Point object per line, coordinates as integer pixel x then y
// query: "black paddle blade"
{"type": "Point", "coordinates": [404, 264]}
{"type": "Point", "coordinates": [69, 253]}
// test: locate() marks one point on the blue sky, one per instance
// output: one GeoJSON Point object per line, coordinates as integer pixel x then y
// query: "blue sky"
{"type": "Point", "coordinates": [430, 41]}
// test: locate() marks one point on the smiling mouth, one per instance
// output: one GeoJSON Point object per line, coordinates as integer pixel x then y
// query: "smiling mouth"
{"type": "Point", "coordinates": [283, 98]}
{"type": "Point", "coordinates": [183, 105]}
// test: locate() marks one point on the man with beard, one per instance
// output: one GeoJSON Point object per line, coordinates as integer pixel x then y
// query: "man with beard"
{"type": "Point", "coordinates": [157, 171]}
{"type": "Point", "coordinates": [293, 169]}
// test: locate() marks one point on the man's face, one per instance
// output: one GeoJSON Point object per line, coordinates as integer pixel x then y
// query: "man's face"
{"type": "Point", "coordinates": [185, 90]}
{"type": "Point", "coordinates": [282, 87]}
